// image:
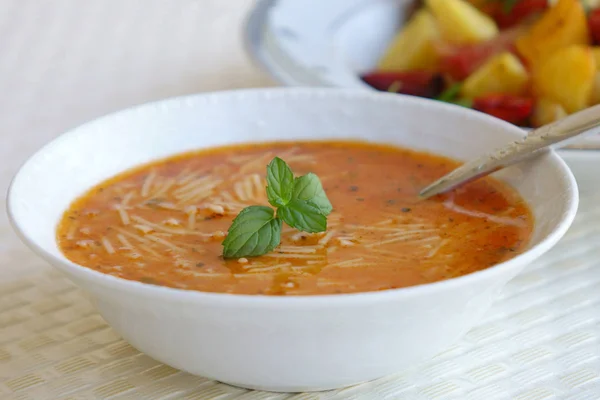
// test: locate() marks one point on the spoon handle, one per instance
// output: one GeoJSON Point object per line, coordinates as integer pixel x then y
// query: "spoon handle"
{"type": "Point", "coordinates": [538, 141]}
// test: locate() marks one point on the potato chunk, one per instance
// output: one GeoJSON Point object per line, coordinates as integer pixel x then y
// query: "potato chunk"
{"type": "Point", "coordinates": [461, 22]}
{"type": "Point", "coordinates": [503, 73]}
{"type": "Point", "coordinates": [567, 77]}
{"type": "Point", "coordinates": [563, 25]}
{"type": "Point", "coordinates": [412, 48]}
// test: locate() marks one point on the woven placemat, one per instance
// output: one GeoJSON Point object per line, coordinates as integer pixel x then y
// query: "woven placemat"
{"type": "Point", "coordinates": [540, 341]}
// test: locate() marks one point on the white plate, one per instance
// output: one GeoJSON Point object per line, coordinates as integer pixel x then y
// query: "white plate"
{"type": "Point", "coordinates": [327, 42]}
{"type": "Point", "coordinates": [321, 42]}
{"type": "Point", "coordinates": [359, 336]}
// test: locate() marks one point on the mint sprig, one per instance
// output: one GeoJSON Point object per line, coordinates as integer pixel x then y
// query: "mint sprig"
{"type": "Point", "coordinates": [254, 232]}
{"type": "Point", "coordinates": [309, 188]}
{"type": "Point", "coordinates": [303, 215]}
{"type": "Point", "coordinates": [300, 202]}
{"type": "Point", "coordinates": [280, 182]}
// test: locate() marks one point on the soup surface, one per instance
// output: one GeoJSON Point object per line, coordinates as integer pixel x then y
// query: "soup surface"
{"type": "Point", "coordinates": [164, 223]}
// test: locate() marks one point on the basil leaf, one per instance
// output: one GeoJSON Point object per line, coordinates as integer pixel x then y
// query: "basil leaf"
{"type": "Point", "coordinates": [303, 215]}
{"type": "Point", "coordinates": [254, 232]}
{"type": "Point", "coordinates": [309, 188]}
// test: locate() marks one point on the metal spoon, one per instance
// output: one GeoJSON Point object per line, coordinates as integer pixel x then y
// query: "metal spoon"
{"type": "Point", "coordinates": [537, 142]}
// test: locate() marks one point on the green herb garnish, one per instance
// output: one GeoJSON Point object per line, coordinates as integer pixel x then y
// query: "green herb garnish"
{"type": "Point", "coordinates": [395, 87]}
{"type": "Point", "coordinates": [508, 5]}
{"type": "Point", "coordinates": [308, 188]}
{"type": "Point", "coordinates": [450, 95]}
{"type": "Point", "coordinates": [255, 231]}
{"type": "Point", "coordinates": [280, 182]}
{"type": "Point", "coordinates": [468, 103]}
{"type": "Point", "coordinates": [300, 202]}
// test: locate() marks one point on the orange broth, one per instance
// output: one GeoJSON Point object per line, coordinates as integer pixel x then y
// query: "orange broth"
{"type": "Point", "coordinates": [163, 223]}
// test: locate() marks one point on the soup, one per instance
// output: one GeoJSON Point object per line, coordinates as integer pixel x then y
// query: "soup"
{"type": "Point", "coordinates": [164, 223]}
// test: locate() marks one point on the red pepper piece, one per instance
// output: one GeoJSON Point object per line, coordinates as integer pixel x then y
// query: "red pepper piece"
{"type": "Point", "coordinates": [460, 61]}
{"type": "Point", "coordinates": [521, 11]}
{"type": "Point", "coordinates": [594, 25]}
{"type": "Point", "coordinates": [415, 83]}
{"type": "Point", "coordinates": [510, 108]}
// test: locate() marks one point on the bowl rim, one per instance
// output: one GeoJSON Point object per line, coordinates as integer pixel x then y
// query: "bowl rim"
{"type": "Point", "coordinates": [571, 199]}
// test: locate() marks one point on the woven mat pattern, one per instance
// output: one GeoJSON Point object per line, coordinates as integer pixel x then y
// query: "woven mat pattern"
{"type": "Point", "coordinates": [540, 341]}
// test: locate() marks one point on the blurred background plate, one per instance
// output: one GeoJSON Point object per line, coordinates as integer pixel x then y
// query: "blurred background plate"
{"type": "Point", "coordinates": [328, 42]}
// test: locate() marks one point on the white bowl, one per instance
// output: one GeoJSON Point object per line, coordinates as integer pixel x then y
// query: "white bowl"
{"type": "Point", "coordinates": [283, 343]}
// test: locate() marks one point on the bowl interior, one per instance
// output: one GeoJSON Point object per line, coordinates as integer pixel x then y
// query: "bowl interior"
{"type": "Point", "coordinates": [74, 162]}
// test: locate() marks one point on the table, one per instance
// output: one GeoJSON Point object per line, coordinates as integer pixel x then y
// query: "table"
{"type": "Point", "coordinates": [63, 62]}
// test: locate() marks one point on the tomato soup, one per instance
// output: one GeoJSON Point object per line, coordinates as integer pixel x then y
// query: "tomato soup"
{"type": "Point", "coordinates": [164, 223]}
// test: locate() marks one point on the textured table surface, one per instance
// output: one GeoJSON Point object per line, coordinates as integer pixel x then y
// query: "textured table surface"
{"type": "Point", "coordinates": [63, 62]}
